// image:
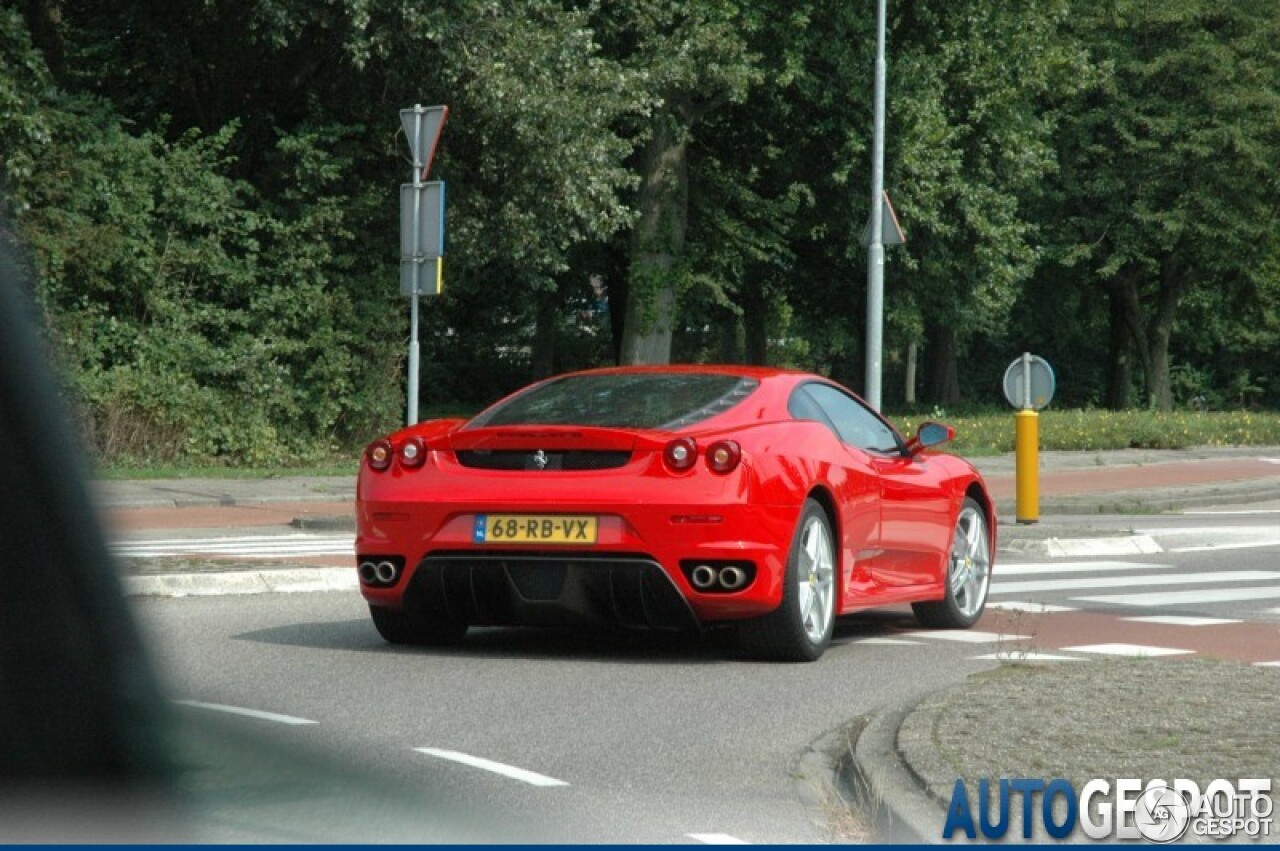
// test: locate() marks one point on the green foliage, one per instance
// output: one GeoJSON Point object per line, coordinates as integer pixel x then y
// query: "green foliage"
{"type": "Point", "coordinates": [1167, 182]}
{"type": "Point", "coordinates": [970, 148]}
{"type": "Point", "coordinates": [194, 321]}
{"type": "Point", "coordinates": [1098, 431]}
{"type": "Point", "coordinates": [208, 193]}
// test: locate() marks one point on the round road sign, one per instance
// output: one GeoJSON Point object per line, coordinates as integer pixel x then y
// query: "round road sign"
{"type": "Point", "coordinates": [1029, 383]}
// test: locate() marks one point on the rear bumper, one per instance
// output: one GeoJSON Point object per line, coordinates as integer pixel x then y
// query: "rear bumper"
{"type": "Point", "coordinates": [632, 575]}
{"type": "Point", "coordinates": [500, 589]}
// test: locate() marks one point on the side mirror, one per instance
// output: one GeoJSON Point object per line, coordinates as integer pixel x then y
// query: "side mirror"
{"type": "Point", "coordinates": [930, 435]}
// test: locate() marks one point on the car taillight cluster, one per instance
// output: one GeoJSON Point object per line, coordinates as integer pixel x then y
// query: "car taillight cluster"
{"type": "Point", "coordinates": [723, 456]}
{"type": "Point", "coordinates": [380, 454]}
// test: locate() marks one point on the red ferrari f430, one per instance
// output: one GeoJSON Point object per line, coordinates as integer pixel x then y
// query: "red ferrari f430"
{"type": "Point", "coordinates": [670, 498]}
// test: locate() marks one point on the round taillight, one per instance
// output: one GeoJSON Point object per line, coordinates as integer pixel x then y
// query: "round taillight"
{"type": "Point", "coordinates": [723, 456]}
{"type": "Point", "coordinates": [379, 454]}
{"type": "Point", "coordinates": [681, 454]}
{"type": "Point", "coordinates": [413, 452]}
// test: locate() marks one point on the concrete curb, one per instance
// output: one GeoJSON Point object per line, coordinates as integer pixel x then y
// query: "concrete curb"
{"type": "Point", "coordinates": [1082, 546]}
{"type": "Point", "coordinates": [885, 788]}
{"type": "Point", "coordinates": [1153, 501]}
{"type": "Point", "coordinates": [237, 582]}
{"type": "Point", "coordinates": [820, 782]}
{"type": "Point", "coordinates": [326, 523]}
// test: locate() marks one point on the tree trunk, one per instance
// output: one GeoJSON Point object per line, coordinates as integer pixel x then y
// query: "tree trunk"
{"type": "Point", "coordinates": [617, 300]}
{"type": "Point", "coordinates": [1173, 285]}
{"type": "Point", "coordinates": [1119, 368]}
{"type": "Point", "coordinates": [755, 322]}
{"type": "Point", "coordinates": [44, 20]}
{"type": "Point", "coordinates": [1152, 337]}
{"type": "Point", "coordinates": [1126, 289]}
{"type": "Point", "coordinates": [944, 374]}
{"type": "Point", "coordinates": [909, 384]}
{"type": "Point", "coordinates": [1159, 388]}
{"type": "Point", "coordinates": [543, 359]}
{"type": "Point", "coordinates": [729, 350]}
{"type": "Point", "coordinates": [657, 247]}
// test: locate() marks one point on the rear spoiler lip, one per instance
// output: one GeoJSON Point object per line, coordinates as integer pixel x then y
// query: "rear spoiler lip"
{"type": "Point", "coordinates": [556, 438]}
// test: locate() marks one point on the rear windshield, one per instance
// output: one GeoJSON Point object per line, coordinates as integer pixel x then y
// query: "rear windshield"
{"type": "Point", "coordinates": [645, 400]}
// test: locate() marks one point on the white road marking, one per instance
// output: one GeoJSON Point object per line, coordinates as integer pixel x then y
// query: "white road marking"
{"type": "Point", "coordinates": [890, 641]}
{"type": "Point", "coordinates": [249, 713]}
{"type": "Point", "coordinates": [716, 839]}
{"type": "Point", "coordinates": [253, 546]}
{"type": "Point", "coordinates": [1029, 656]}
{"type": "Point", "coordinates": [968, 636]}
{"type": "Point", "coordinates": [1114, 546]}
{"type": "Point", "coordinates": [1238, 531]}
{"type": "Point", "coordinates": [1032, 608]}
{"type": "Point", "coordinates": [1270, 460]}
{"type": "Point", "coordinates": [1232, 512]}
{"type": "Point", "coordinates": [1179, 620]}
{"type": "Point", "coordinates": [222, 583]}
{"type": "Point", "coordinates": [1127, 650]}
{"type": "Point", "coordinates": [531, 777]}
{"type": "Point", "coordinates": [1124, 581]}
{"type": "Point", "coordinates": [1267, 664]}
{"type": "Point", "coordinates": [1250, 545]}
{"type": "Point", "coordinates": [1180, 598]}
{"type": "Point", "coordinates": [1033, 569]}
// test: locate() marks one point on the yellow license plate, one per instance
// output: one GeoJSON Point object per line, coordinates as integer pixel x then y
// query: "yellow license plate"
{"type": "Point", "coordinates": [534, 529]}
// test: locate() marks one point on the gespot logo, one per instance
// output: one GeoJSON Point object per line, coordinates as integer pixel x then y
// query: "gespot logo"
{"type": "Point", "coordinates": [1126, 808]}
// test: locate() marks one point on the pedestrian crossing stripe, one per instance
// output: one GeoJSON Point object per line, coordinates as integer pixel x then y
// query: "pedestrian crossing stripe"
{"type": "Point", "coordinates": [1099, 582]}
{"type": "Point", "coordinates": [1186, 598]}
{"type": "Point", "coordinates": [1036, 569]}
{"type": "Point", "coordinates": [1128, 650]}
{"type": "Point", "coordinates": [250, 545]}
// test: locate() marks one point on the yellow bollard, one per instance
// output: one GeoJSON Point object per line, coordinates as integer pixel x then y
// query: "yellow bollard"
{"type": "Point", "coordinates": [1027, 461]}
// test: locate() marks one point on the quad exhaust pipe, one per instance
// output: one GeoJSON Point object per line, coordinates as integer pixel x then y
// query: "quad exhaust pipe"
{"type": "Point", "coordinates": [703, 577]}
{"type": "Point", "coordinates": [378, 573]}
{"type": "Point", "coordinates": [708, 578]}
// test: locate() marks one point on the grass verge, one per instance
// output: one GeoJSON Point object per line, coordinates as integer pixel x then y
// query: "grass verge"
{"type": "Point", "coordinates": [987, 433]}
{"type": "Point", "coordinates": [1093, 431]}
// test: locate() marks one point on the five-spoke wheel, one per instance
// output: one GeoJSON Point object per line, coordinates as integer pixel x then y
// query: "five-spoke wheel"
{"type": "Point", "coordinates": [968, 574]}
{"type": "Point", "coordinates": [800, 629]}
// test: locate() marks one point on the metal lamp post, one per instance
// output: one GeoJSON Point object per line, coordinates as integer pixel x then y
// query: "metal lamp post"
{"type": "Point", "coordinates": [875, 253]}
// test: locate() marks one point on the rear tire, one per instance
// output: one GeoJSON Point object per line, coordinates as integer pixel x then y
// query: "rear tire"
{"type": "Point", "coordinates": [968, 577]}
{"type": "Point", "coordinates": [799, 630]}
{"type": "Point", "coordinates": [413, 628]}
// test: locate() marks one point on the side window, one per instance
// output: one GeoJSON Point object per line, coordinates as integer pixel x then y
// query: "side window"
{"type": "Point", "coordinates": [856, 424]}
{"type": "Point", "coordinates": [802, 406]}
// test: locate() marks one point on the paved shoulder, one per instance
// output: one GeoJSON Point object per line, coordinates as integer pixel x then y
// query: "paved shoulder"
{"type": "Point", "coordinates": [184, 493]}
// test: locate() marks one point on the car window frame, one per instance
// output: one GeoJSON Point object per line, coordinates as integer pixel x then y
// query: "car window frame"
{"type": "Point", "coordinates": [899, 447]}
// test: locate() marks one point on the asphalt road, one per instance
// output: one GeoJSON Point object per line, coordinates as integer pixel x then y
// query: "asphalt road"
{"type": "Point", "coordinates": [656, 738]}
{"type": "Point", "coordinates": [598, 737]}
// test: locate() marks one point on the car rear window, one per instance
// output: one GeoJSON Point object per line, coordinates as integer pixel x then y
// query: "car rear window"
{"type": "Point", "coordinates": [646, 400]}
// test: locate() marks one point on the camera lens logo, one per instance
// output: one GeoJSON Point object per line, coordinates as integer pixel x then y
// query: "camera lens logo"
{"type": "Point", "coordinates": [1162, 814]}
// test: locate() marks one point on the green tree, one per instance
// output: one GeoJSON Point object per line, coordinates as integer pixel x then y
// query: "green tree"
{"type": "Point", "coordinates": [692, 59]}
{"type": "Point", "coordinates": [968, 148]}
{"type": "Point", "coordinates": [1168, 180]}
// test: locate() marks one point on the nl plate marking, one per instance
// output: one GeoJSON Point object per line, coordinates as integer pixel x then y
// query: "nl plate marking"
{"type": "Point", "coordinates": [534, 529]}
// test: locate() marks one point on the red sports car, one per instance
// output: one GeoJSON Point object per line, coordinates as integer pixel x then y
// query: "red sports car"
{"type": "Point", "coordinates": [666, 498]}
